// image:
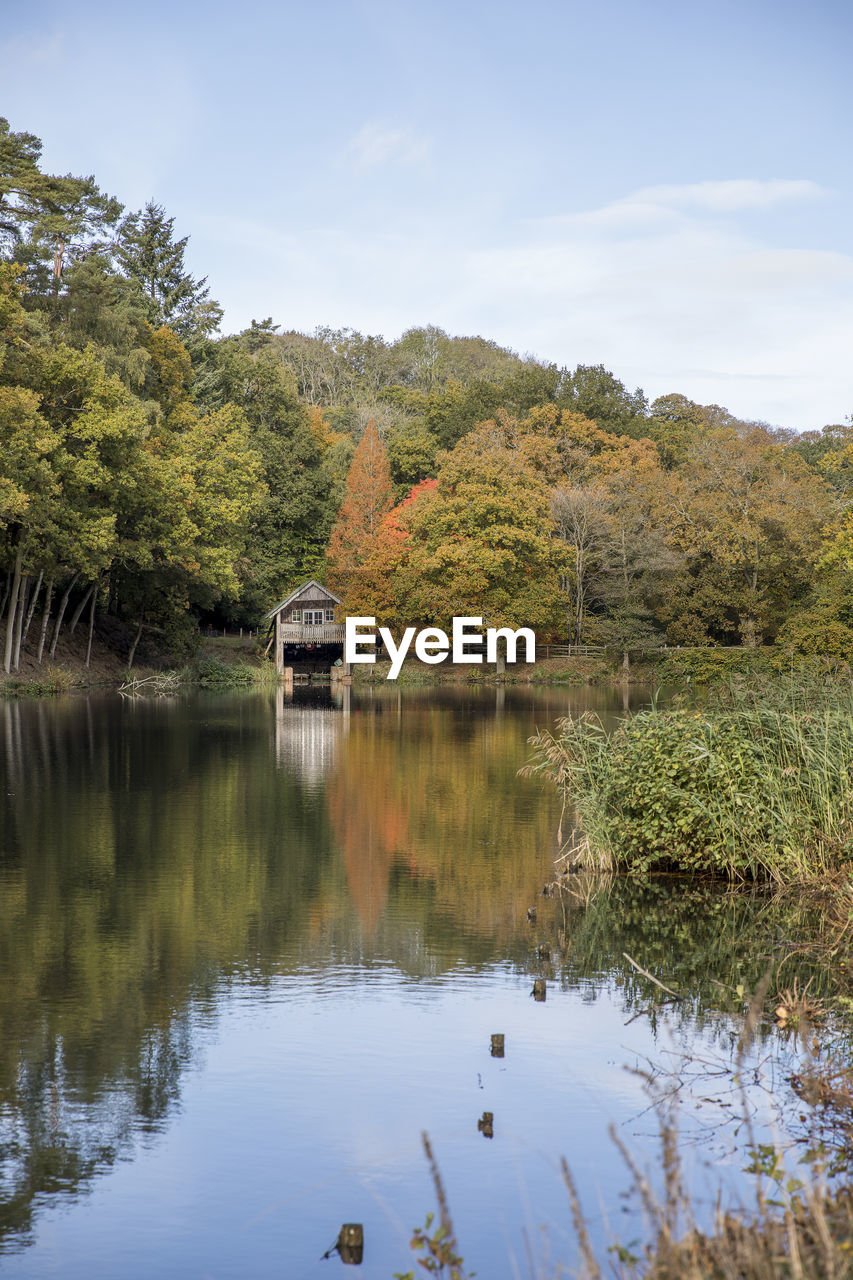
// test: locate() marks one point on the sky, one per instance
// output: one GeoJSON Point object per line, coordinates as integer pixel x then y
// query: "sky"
{"type": "Point", "coordinates": [660, 187]}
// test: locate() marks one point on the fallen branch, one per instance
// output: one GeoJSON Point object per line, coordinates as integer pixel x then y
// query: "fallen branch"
{"type": "Point", "coordinates": [669, 991]}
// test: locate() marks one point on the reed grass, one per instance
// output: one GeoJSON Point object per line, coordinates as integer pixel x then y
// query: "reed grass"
{"type": "Point", "coordinates": [755, 783]}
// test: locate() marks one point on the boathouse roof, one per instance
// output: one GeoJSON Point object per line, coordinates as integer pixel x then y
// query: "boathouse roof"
{"type": "Point", "coordinates": [308, 590]}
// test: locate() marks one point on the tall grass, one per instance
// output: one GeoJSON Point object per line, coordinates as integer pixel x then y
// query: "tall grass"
{"type": "Point", "coordinates": [757, 783]}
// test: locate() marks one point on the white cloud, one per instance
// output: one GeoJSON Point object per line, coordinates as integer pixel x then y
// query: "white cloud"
{"type": "Point", "coordinates": [376, 145]}
{"type": "Point", "coordinates": [730, 196]}
{"type": "Point", "coordinates": [681, 302]}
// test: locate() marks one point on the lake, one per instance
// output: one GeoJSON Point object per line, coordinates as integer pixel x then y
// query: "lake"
{"type": "Point", "coordinates": [251, 948]}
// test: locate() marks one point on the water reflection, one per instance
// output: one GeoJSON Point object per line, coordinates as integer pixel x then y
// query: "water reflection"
{"type": "Point", "coordinates": [307, 740]}
{"type": "Point", "coordinates": [166, 866]}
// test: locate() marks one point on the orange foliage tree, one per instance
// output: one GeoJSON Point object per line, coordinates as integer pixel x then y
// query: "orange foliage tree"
{"type": "Point", "coordinates": [368, 497]}
{"type": "Point", "coordinates": [384, 583]}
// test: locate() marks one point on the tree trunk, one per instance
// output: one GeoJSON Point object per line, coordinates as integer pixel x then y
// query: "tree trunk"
{"type": "Point", "coordinates": [45, 619]}
{"type": "Point", "coordinates": [33, 603]}
{"type": "Point", "coordinates": [626, 664]}
{"type": "Point", "coordinates": [132, 653]}
{"type": "Point", "coordinates": [91, 623]}
{"type": "Point", "coordinates": [78, 612]}
{"type": "Point", "coordinates": [5, 596]}
{"type": "Point", "coordinates": [10, 615]}
{"type": "Point", "coordinates": [23, 597]}
{"type": "Point", "coordinates": [62, 607]}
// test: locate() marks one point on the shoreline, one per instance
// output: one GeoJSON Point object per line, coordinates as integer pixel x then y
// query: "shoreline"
{"type": "Point", "coordinates": [213, 668]}
{"type": "Point", "coordinates": [229, 661]}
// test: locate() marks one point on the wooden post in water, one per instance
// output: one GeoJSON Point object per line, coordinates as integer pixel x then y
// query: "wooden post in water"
{"type": "Point", "coordinates": [288, 679]}
{"type": "Point", "coordinates": [351, 1243]}
{"type": "Point", "coordinates": [540, 989]}
{"type": "Point", "coordinates": [486, 1125]}
{"type": "Point", "coordinates": [498, 1046]}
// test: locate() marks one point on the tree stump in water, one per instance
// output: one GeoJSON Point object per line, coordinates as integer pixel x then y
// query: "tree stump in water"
{"type": "Point", "coordinates": [540, 989]}
{"type": "Point", "coordinates": [351, 1243]}
{"type": "Point", "coordinates": [486, 1125]}
{"type": "Point", "coordinates": [497, 1046]}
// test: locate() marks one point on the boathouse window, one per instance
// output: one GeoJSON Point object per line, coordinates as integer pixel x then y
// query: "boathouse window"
{"type": "Point", "coordinates": [296, 616]}
{"type": "Point", "coordinates": [330, 615]}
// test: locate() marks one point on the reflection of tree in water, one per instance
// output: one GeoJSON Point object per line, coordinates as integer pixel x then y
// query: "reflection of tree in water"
{"type": "Point", "coordinates": [150, 852]}
{"type": "Point", "coordinates": [438, 836]}
{"type": "Point", "coordinates": [369, 815]}
{"type": "Point", "coordinates": [703, 938]}
{"type": "Point", "coordinates": [142, 863]}
{"type": "Point", "coordinates": [60, 1132]}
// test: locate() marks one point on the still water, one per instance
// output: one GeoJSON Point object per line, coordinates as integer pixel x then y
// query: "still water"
{"type": "Point", "coordinates": [251, 948]}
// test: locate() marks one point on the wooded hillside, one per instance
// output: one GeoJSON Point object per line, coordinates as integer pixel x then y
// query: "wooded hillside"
{"type": "Point", "coordinates": [155, 471]}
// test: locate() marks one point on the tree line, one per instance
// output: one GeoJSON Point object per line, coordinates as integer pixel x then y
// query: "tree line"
{"type": "Point", "coordinates": [153, 472]}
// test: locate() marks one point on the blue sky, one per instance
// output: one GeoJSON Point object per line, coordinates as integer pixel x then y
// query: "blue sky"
{"type": "Point", "coordinates": [660, 187]}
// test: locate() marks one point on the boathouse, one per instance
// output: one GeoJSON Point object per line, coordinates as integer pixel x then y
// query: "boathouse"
{"type": "Point", "coordinates": [308, 626]}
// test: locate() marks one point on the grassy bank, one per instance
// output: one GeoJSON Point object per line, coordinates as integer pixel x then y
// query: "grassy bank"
{"type": "Point", "coordinates": [220, 662]}
{"type": "Point", "coordinates": [756, 783]}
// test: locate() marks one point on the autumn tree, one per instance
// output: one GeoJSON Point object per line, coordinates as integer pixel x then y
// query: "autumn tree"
{"type": "Point", "coordinates": [369, 496]}
{"type": "Point", "coordinates": [674, 422]}
{"type": "Point", "coordinates": [479, 542]}
{"type": "Point", "coordinates": [385, 583]}
{"type": "Point", "coordinates": [747, 514]}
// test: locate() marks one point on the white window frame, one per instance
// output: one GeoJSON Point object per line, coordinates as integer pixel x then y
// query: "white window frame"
{"type": "Point", "coordinates": [296, 615]}
{"type": "Point", "coordinates": [330, 615]}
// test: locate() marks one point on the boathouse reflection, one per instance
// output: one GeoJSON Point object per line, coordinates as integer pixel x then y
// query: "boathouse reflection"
{"type": "Point", "coordinates": [308, 738]}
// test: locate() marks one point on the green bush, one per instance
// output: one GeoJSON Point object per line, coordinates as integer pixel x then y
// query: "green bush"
{"type": "Point", "coordinates": [705, 665]}
{"type": "Point", "coordinates": [212, 672]}
{"type": "Point", "coordinates": [757, 784]}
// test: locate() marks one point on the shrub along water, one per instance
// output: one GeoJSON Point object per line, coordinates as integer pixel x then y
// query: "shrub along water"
{"type": "Point", "coordinates": [756, 783]}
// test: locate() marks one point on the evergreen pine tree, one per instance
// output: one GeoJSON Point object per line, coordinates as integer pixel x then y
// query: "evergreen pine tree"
{"type": "Point", "coordinates": [148, 252]}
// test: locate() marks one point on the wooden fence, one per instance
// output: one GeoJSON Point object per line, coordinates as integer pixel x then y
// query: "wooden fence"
{"type": "Point", "coordinates": [589, 650]}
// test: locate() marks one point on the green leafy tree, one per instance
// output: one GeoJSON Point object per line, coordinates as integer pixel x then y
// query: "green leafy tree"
{"type": "Point", "coordinates": [70, 437]}
{"type": "Point", "coordinates": [412, 453]}
{"type": "Point", "coordinates": [748, 515]}
{"type": "Point", "coordinates": [290, 524]}
{"type": "Point", "coordinates": [19, 171]}
{"type": "Point", "coordinates": [594, 392]}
